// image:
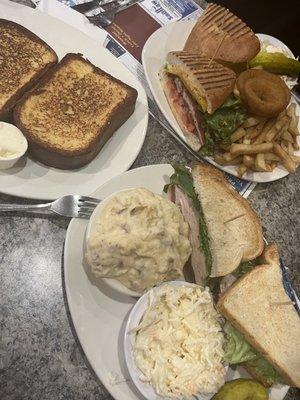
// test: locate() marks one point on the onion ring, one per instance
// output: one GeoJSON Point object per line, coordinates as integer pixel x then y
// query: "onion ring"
{"type": "Point", "coordinates": [264, 94]}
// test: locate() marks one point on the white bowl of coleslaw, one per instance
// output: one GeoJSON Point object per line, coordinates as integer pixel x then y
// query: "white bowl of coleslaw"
{"type": "Point", "coordinates": [146, 352]}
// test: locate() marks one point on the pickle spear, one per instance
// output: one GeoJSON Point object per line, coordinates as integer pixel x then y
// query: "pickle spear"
{"type": "Point", "coordinates": [277, 63]}
{"type": "Point", "coordinates": [242, 389]}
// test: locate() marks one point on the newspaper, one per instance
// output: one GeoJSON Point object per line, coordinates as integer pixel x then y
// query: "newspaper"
{"type": "Point", "coordinates": [127, 35]}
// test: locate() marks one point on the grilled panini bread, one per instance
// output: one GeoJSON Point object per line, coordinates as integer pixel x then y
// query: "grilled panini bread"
{"type": "Point", "coordinates": [192, 82]}
{"type": "Point", "coordinates": [72, 113]}
{"type": "Point", "coordinates": [258, 306]}
{"type": "Point", "coordinates": [24, 58]}
{"type": "Point", "coordinates": [221, 35]}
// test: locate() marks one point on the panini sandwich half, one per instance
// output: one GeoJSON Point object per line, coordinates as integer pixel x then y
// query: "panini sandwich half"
{"type": "Point", "coordinates": [24, 59]}
{"type": "Point", "coordinates": [194, 85]}
{"type": "Point", "coordinates": [73, 112]}
{"type": "Point", "coordinates": [221, 35]}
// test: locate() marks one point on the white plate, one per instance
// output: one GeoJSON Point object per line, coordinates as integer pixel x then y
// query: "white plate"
{"type": "Point", "coordinates": [173, 37]}
{"type": "Point", "coordinates": [34, 180]}
{"type": "Point", "coordinates": [99, 314]}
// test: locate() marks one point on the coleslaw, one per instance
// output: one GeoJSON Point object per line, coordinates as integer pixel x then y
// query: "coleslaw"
{"type": "Point", "coordinates": [179, 343]}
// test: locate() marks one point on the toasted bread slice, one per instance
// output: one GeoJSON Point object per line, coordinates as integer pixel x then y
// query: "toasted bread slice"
{"type": "Point", "coordinates": [221, 35]}
{"type": "Point", "coordinates": [234, 229]}
{"type": "Point", "coordinates": [24, 58]}
{"type": "Point", "coordinates": [72, 113]}
{"type": "Point", "coordinates": [258, 306]}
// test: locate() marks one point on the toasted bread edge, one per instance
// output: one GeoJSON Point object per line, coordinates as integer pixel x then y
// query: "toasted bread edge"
{"type": "Point", "coordinates": [6, 112]}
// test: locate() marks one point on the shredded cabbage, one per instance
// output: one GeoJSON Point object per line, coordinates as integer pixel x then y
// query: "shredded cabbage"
{"type": "Point", "coordinates": [179, 343]}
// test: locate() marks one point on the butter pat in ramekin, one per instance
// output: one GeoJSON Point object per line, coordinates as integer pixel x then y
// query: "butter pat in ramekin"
{"type": "Point", "coordinates": [13, 145]}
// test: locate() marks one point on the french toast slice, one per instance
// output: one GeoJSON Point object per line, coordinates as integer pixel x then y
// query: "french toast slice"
{"type": "Point", "coordinates": [69, 116]}
{"type": "Point", "coordinates": [24, 59]}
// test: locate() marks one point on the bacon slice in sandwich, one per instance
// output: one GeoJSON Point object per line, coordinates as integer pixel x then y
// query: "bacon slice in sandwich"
{"type": "Point", "coordinates": [193, 85]}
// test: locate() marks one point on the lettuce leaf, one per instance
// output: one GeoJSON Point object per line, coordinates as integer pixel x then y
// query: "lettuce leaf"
{"type": "Point", "coordinates": [182, 178]}
{"type": "Point", "coordinates": [244, 267]}
{"type": "Point", "coordinates": [220, 125]}
{"type": "Point", "coordinates": [261, 367]}
{"type": "Point", "coordinates": [239, 351]}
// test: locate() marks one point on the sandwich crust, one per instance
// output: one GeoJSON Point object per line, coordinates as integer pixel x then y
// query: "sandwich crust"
{"type": "Point", "coordinates": [24, 59]}
{"type": "Point", "coordinates": [220, 34]}
{"type": "Point", "coordinates": [234, 229]}
{"type": "Point", "coordinates": [258, 306]}
{"type": "Point", "coordinates": [72, 112]}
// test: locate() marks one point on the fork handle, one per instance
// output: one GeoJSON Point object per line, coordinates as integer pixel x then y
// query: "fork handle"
{"type": "Point", "coordinates": [25, 207]}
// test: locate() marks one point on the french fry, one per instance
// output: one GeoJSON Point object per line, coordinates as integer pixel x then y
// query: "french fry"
{"type": "Point", "coordinates": [220, 159]}
{"type": "Point", "coordinates": [246, 140]}
{"type": "Point", "coordinates": [268, 125]}
{"type": "Point", "coordinates": [273, 165]}
{"type": "Point", "coordinates": [241, 170]}
{"type": "Point", "coordinates": [271, 157]}
{"type": "Point", "coordinates": [296, 159]}
{"type": "Point", "coordinates": [287, 136]}
{"type": "Point", "coordinates": [260, 163]}
{"type": "Point", "coordinates": [251, 121]}
{"type": "Point", "coordinates": [296, 146]}
{"type": "Point", "coordinates": [290, 111]}
{"type": "Point", "coordinates": [284, 146]}
{"type": "Point", "coordinates": [290, 148]}
{"type": "Point", "coordinates": [270, 135]}
{"type": "Point", "coordinates": [254, 132]}
{"type": "Point", "coordinates": [249, 161]}
{"type": "Point", "coordinates": [286, 160]}
{"type": "Point", "coordinates": [238, 149]}
{"type": "Point", "coordinates": [238, 134]}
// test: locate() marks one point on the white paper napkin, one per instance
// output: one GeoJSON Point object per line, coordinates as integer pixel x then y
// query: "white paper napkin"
{"type": "Point", "coordinates": [72, 17]}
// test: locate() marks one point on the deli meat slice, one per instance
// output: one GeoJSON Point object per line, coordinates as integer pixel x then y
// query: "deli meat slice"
{"type": "Point", "coordinates": [193, 109]}
{"type": "Point", "coordinates": [192, 218]}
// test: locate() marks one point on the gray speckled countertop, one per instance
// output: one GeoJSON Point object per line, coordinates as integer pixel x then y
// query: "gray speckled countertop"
{"type": "Point", "coordinates": [40, 357]}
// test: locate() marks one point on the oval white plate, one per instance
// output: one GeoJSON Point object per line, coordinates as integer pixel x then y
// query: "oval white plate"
{"type": "Point", "coordinates": [34, 180]}
{"type": "Point", "coordinates": [99, 313]}
{"type": "Point", "coordinates": [172, 37]}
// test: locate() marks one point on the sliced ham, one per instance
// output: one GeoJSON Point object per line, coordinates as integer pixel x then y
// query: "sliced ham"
{"type": "Point", "coordinates": [192, 218]}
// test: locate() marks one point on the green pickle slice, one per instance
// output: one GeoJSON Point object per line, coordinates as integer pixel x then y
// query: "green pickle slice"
{"type": "Point", "coordinates": [242, 389]}
{"type": "Point", "coordinates": [277, 63]}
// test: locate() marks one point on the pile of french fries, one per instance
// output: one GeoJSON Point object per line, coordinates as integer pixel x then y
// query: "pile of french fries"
{"type": "Point", "coordinates": [261, 145]}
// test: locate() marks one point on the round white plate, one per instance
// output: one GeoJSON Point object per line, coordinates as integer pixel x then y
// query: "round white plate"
{"type": "Point", "coordinates": [99, 314]}
{"type": "Point", "coordinates": [173, 37]}
{"type": "Point", "coordinates": [34, 180]}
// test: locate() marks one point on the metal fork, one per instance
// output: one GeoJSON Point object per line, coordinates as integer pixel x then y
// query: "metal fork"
{"type": "Point", "coordinates": [89, 5]}
{"type": "Point", "coordinates": [72, 206]}
{"type": "Point", "coordinates": [107, 16]}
